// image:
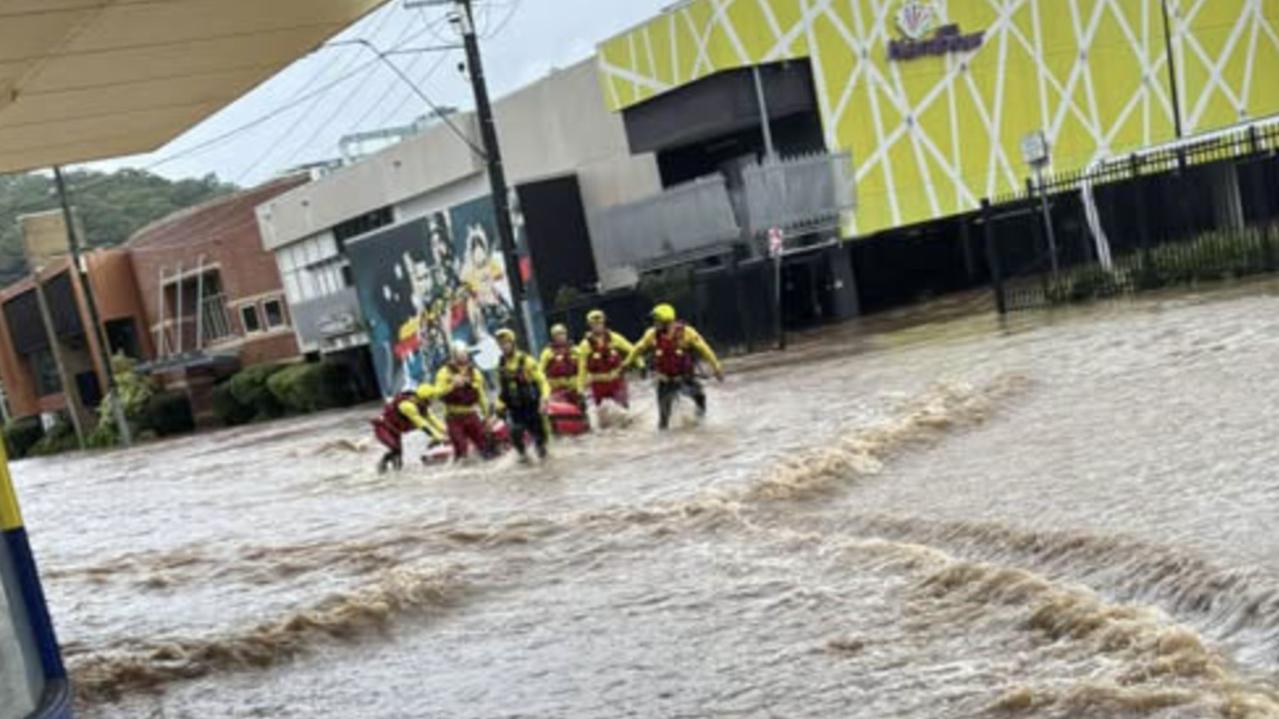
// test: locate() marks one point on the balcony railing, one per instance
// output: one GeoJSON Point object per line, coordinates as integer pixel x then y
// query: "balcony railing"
{"type": "Point", "coordinates": [800, 195]}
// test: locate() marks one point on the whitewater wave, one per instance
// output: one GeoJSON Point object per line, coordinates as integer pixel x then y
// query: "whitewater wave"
{"type": "Point", "coordinates": [150, 665]}
{"type": "Point", "coordinates": [862, 452]}
{"type": "Point", "coordinates": [1226, 603]}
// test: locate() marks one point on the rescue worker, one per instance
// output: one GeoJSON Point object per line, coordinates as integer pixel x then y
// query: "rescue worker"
{"type": "Point", "coordinates": [460, 386]}
{"type": "Point", "coordinates": [524, 394]}
{"type": "Point", "coordinates": [406, 412]}
{"type": "Point", "coordinates": [604, 356]}
{"type": "Point", "coordinates": [676, 348]}
{"type": "Point", "coordinates": [559, 366]}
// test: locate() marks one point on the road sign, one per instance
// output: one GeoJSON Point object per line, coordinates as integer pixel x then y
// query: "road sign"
{"type": "Point", "coordinates": [1035, 150]}
{"type": "Point", "coordinates": [776, 242]}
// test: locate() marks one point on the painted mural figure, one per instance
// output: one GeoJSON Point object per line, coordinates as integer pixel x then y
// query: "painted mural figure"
{"type": "Point", "coordinates": [488, 291]}
{"type": "Point", "coordinates": [427, 283]}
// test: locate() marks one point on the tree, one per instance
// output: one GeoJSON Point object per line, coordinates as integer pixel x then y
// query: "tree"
{"type": "Point", "coordinates": [112, 207]}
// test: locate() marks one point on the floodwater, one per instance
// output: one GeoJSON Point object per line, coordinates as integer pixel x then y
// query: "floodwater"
{"type": "Point", "coordinates": [1070, 517]}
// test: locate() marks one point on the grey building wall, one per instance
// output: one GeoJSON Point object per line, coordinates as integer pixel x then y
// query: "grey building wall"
{"type": "Point", "coordinates": [554, 126]}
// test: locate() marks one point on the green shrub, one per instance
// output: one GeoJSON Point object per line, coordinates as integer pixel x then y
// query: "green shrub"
{"type": "Point", "coordinates": [169, 414]}
{"type": "Point", "coordinates": [136, 391]}
{"type": "Point", "coordinates": [1215, 256]}
{"type": "Point", "coordinates": [249, 387]}
{"type": "Point", "coordinates": [230, 411]}
{"type": "Point", "coordinates": [58, 440]}
{"type": "Point", "coordinates": [104, 436]}
{"type": "Point", "coordinates": [1083, 284]}
{"type": "Point", "coordinates": [21, 435]}
{"type": "Point", "coordinates": [313, 387]}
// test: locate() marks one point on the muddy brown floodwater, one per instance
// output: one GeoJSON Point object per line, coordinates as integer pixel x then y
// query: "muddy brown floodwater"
{"type": "Point", "coordinates": [1071, 517]}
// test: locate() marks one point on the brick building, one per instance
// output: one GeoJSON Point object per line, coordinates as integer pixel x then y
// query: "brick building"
{"type": "Point", "coordinates": [212, 296]}
{"type": "Point", "coordinates": [27, 369]}
{"type": "Point", "coordinates": [209, 287]}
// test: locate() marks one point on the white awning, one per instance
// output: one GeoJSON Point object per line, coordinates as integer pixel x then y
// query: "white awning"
{"type": "Point", "coordinates": [90, 79]}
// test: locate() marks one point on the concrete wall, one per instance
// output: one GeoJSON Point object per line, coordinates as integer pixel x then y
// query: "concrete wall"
{"type": "Point", "coordinates": [557, 125]}
{"type": "Point", "coordinates": [435, 158]}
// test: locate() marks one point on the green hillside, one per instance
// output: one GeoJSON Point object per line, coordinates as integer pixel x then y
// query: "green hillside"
{"type": "Point", "coordinates": [111, 206]}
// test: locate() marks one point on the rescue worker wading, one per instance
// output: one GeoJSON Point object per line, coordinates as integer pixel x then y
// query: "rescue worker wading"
{"type": "Point", "coordinates": [604, 360]}
{"type": "Point", "coordinates": [460, 386]}
{"type": "Point", "coordinates": [406, 412]}
{"type": "Point", "coordinates": [676, 348]}
{"type": "Point", "coordinates": [560, 367]}
{"type": "Point", "coordinates": [523, 396]}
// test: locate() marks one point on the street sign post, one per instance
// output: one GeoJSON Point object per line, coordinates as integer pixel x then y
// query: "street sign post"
{"type": "Point", "coordinates": [776, 250]}
{"type": "Point", "coordinates": [1038, 154]}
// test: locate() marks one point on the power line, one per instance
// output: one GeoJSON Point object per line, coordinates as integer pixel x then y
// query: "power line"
{"type": "Point", "coordinates": [409, 96]}
{"type": "Point", "coordinates": [293, 127]}
{"type": "Point", "coordinates": [340, 107]}
{"type": "Point", "coordinates": [395, 82]}
{"type": "Point", "coordinates": [494, 32]}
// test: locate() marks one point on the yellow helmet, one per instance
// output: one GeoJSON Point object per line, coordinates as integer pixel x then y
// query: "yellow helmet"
{"type": "Point", "coordinates": [595, 316]}
{"type": "Point", "coordinates": [664, 313]}
{"type": "Point", "coordinates": [559, 329]}
{"type": "Point", "coordinates": [505, 334]}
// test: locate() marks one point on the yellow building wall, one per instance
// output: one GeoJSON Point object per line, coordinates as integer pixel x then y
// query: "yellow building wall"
{"type": "Point", "coordinates": [931, 136]}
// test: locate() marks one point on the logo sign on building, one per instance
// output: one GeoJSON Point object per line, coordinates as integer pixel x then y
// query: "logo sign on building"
{"type": "Point", "coordinates": [925, 34]}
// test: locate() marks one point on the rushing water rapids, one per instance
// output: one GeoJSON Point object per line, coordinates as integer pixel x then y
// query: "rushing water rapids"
{"type": "Point", "coordinates": [1072, 517]}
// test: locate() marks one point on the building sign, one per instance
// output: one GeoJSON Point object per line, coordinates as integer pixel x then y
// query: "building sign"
{"type": "Point", "coordinates": [924, 35]}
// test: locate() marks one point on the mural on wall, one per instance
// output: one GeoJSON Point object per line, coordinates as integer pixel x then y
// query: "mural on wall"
{"type": "Point", "coordinates": [933, 97]}
{"type": "Point", "coordinates": [430, 282]}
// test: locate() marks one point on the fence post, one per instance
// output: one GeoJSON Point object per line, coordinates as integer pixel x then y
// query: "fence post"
{"type": "Point", "coordinates": [1143, 219]}
{"type": "Point", "coordinates": [992, 257]}
{"type": "Point", "coordinates": [1266, 209]}
{"type": "Point", "coordinates": [966, 239]}
{"type": "Point", "coordinates": [1042, 247]}
{"type": "Point", "coordinates": [739, 296]}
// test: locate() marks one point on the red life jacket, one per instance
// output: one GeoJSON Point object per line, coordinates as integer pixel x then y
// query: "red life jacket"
{"type": "Point", "coordinates": [562, 365]}
{"type": "Point", "coordinates": [672, 358]}
{"type": "Point", "coordinates": [391, 413]}
{"type": "Point", "coordinates": [466, 395]}
{"type": "Point", "coordinates": [604, 356]}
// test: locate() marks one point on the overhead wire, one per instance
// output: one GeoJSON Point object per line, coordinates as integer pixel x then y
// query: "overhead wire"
{"type": "Point", "coordinates": [344, 104]}
{"type": "Point", "coordinates": [397, 82]}
{"type": "Point", "coordinates": [273, 147]}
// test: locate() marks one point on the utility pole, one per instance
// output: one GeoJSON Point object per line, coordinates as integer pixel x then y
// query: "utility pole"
{"type": "Point", "coordinates": [493, 156]}
{"type": "Point", "coordinates": [1172, 71]}
{"type": "Point", "coordinates": [104, 351]}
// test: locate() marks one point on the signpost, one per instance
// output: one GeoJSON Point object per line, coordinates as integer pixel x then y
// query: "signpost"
{"type": "Point", "coordinates": [776, 250]}
{"type": "Point", "coordinates": [1037, 153]}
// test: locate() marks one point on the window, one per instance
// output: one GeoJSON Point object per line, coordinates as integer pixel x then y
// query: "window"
{"type": "Point", "coordinates": [362, 225]}
{"type": "Point", "coordinates": [45, 372]}
{"type": "Point", "coordinates": [273, 310]}
{"type": "Point", "coordinates": [348, 276]}
{"type": "Point", "coordinates": [249, 318]}
{"type": "Point", "coordinates": [122, 337]}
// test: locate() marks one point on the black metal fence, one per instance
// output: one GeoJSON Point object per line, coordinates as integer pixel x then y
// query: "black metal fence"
{"type": "Point", "coordinates": [1199, 213]}
{"type": "Point", "coordinates": [731, 305]}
